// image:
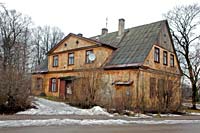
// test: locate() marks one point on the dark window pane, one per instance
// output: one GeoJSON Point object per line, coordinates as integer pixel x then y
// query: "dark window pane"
{"type": "Point", "coordinates": [157, 54]}
{"type": "Point", "coordinates": [70, 58]}
{"type": "Point", "coordinates": [88, 52]}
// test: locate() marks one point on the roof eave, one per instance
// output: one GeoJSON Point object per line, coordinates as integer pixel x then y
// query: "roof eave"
{"type": "Point", "coordinates": [122, 66]}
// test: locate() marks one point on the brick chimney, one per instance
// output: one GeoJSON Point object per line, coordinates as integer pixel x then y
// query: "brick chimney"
{"type": "Point", "coordinates": [121, 26]}
{"type": "Point", "coordinates": [104, 31]}
{"type": "Point", "coordinates": [79, 34]}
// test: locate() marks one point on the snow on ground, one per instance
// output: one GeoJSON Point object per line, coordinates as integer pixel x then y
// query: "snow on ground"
{"type": "Point", "coordinates": [47, 107]}
{"type": "Point", "coordinates": [190, 105]}
{"type": "Point", "coordinates": [166, 115]}
{"type": "Point", "coordinates": [58, 122]}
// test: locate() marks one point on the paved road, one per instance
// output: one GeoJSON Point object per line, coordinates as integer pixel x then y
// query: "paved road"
{"type": "Point", "coordinates": [181, 128]}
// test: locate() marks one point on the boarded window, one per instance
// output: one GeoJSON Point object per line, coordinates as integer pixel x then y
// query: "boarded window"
{"type": "Point", "coordinates": [39, 82]}
{"type": "Point", "coordinates": [152, 87]}
{"type": "Point", "coordinates": [170, 87]}
{"type": "Point", "coordinates": [161, 87]}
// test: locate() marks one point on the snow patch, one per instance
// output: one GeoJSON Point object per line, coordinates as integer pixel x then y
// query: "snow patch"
{"type": "Point", "coordinates": [190, 105]}
{"type": "Point", "coordinates": [51, 122]}
{"type": "Point", "coordinates": [47, 107]}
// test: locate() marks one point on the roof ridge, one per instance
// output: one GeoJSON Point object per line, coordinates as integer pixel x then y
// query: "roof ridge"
{"type": "Point", "coordinates": [133, 27]}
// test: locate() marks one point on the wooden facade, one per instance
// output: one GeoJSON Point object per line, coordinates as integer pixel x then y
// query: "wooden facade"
{"type": "Point", "coordinates": [148, 85]}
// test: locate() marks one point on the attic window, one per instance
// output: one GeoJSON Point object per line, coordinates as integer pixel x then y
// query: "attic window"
{"type": "Point", "coordinates": [77, 42]}
{"type": "Point", "coordinates": [65, 44]}
{"type": "Point", "coordinates": [157, 55]}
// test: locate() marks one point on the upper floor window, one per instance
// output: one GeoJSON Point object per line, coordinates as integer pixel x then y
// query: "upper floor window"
{"type": "Point", "coordinates": [165, 58]}
{"type": "Point", "coordinates": [157, 54]}
{"type": "Point", "coordinates": [55, 61]}
{"type": "Point", "coordinates": [171, 60]}
{"type": "Point", "coordinates": [71, 59]}
{"type": "Point", "coordinates": [88, 52]}
{"type": "Point", "coordinates": [53, 85]}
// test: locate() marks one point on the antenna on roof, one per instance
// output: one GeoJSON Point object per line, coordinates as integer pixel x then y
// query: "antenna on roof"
{"type": "Point", "coordinates": [106, 22]}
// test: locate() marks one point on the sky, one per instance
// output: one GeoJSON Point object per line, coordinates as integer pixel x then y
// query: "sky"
{"type": "Point", "coordinates": [89, 16]}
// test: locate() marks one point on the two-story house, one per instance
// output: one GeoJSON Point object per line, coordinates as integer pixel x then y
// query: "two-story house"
{"type": "Point", "coordinates": [139, 62]}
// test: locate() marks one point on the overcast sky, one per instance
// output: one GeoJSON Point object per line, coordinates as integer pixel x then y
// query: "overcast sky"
{"type": "Point", "coordinates": [89, 16]}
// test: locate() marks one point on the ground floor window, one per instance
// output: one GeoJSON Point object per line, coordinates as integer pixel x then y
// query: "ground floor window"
{"type": "Point", "coordinates": [69, 87]}
{"type": "Point", "coordinates": [152, 87]}
{"type": "Point", "coordinates": [69, 90]}
{"type": "Point", "coordinates": [39, 83]}
{"type": "Point", "coordinates": [53, 85]}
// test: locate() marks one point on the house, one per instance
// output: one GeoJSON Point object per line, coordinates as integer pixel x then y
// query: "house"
{"type": "Point", "coordinates": [138, 64]}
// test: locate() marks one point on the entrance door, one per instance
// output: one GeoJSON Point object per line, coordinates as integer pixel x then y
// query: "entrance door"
{"type": "Point", "coordinates": [68, 88]}
{"type": "Point", "coordinates": [62, 89]}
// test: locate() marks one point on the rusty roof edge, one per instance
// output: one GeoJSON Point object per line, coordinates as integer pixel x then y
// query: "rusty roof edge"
{"type": "Point", "coordinates": [124, 65]}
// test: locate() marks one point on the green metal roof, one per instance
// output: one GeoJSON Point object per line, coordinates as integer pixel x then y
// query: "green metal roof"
{"type": "Point", "coordinates": [134, 45]}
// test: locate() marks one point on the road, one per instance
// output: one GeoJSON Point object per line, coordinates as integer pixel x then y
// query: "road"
{"type": "Point", "coordinates": [137, 128]}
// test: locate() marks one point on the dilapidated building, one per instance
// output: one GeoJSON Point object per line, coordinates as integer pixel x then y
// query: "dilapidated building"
{"type": "Point", "coordinates": [139, 65]}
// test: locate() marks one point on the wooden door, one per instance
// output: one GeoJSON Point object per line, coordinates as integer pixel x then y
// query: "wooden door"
{"type": "Point", "coordinates": [62, 89]}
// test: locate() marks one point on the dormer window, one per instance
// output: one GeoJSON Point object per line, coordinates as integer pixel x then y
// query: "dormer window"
{"type": "Point", "coordinates": [171, 60]}
{"type": "Point", "coordinates": [165, 58]}
{"type": "Point", "coordinates": [71, 59]}
{"type": "Point", "coordinates": [157, 55]}
{"type": "Point", "coordinates": [87, 60]}
{"type": "Point", "coordinates": [55, 61]}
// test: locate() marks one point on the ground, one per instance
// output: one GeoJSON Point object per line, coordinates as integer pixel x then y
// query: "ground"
{"type": "Point", "coordinates": [50, 116]}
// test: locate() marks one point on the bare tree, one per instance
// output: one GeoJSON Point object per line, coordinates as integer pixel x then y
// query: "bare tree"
{"type": "Point", "coordinates": [43, 39]}
{"type": "Point", "coordinates": [13, 26]}
{"type": "Point", "coordinates": [14, 81]}
{"type": "Point", "coordinates": [184, 24]}
{"type": "Point", "coordinates": [88, 88]}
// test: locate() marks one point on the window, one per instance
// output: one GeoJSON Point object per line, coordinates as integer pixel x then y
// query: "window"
{"type": "Point", "coordinates": [165, 58]}
{"type": "Point", "coordinates": [161, 88]}
{"type": "Point", "coordinates": [53, 85]}
{"type": "Point", "coordinates": [171, 60]}
{"type": "Point", "coordinates": [152, 87]}
{"type": "Point", "coordinates": [55, 61]}
{"type": "Point", "coordinates": [39, 82]}
{"type": "Point", "coordinates": [157, 55]}
{"type": "Point", "coordinates": [69, 90]}
{"type": "Point", "coordinates": [71, 59]}
{"type": "Point", "coordinates": [88, 52]}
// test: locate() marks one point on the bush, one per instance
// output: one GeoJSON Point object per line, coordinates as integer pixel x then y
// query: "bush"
{"type": "Point", "coordinates": [14, 91]}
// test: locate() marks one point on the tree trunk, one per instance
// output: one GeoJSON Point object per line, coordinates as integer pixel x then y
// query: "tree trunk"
{"type": "Point", "coordinates": [194, 96]}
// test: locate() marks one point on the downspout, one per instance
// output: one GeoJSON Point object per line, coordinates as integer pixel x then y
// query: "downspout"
{"type": "Point", "coordinates": [137, 91]}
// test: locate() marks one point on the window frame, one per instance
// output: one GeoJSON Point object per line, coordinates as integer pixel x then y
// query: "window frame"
{"type": "Point", "coordinates": [39, 83]}
{"type": "Point", "coordinates": [55, 64]}
{"type": "Point", "coordinates": [156, 55]}
{"type": "Point", "coordinates": [53, 85]}
{"type": "Point", "coordinates": [71, 59]}
{"type": "Point", "coordinates": [152, 87]}
{"type": "Point", "coordinates": [172, 60]}
{"type": "Point", "coordinates": [87, 61]}
{"type": "Point", "coordinates": [165, 58]}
